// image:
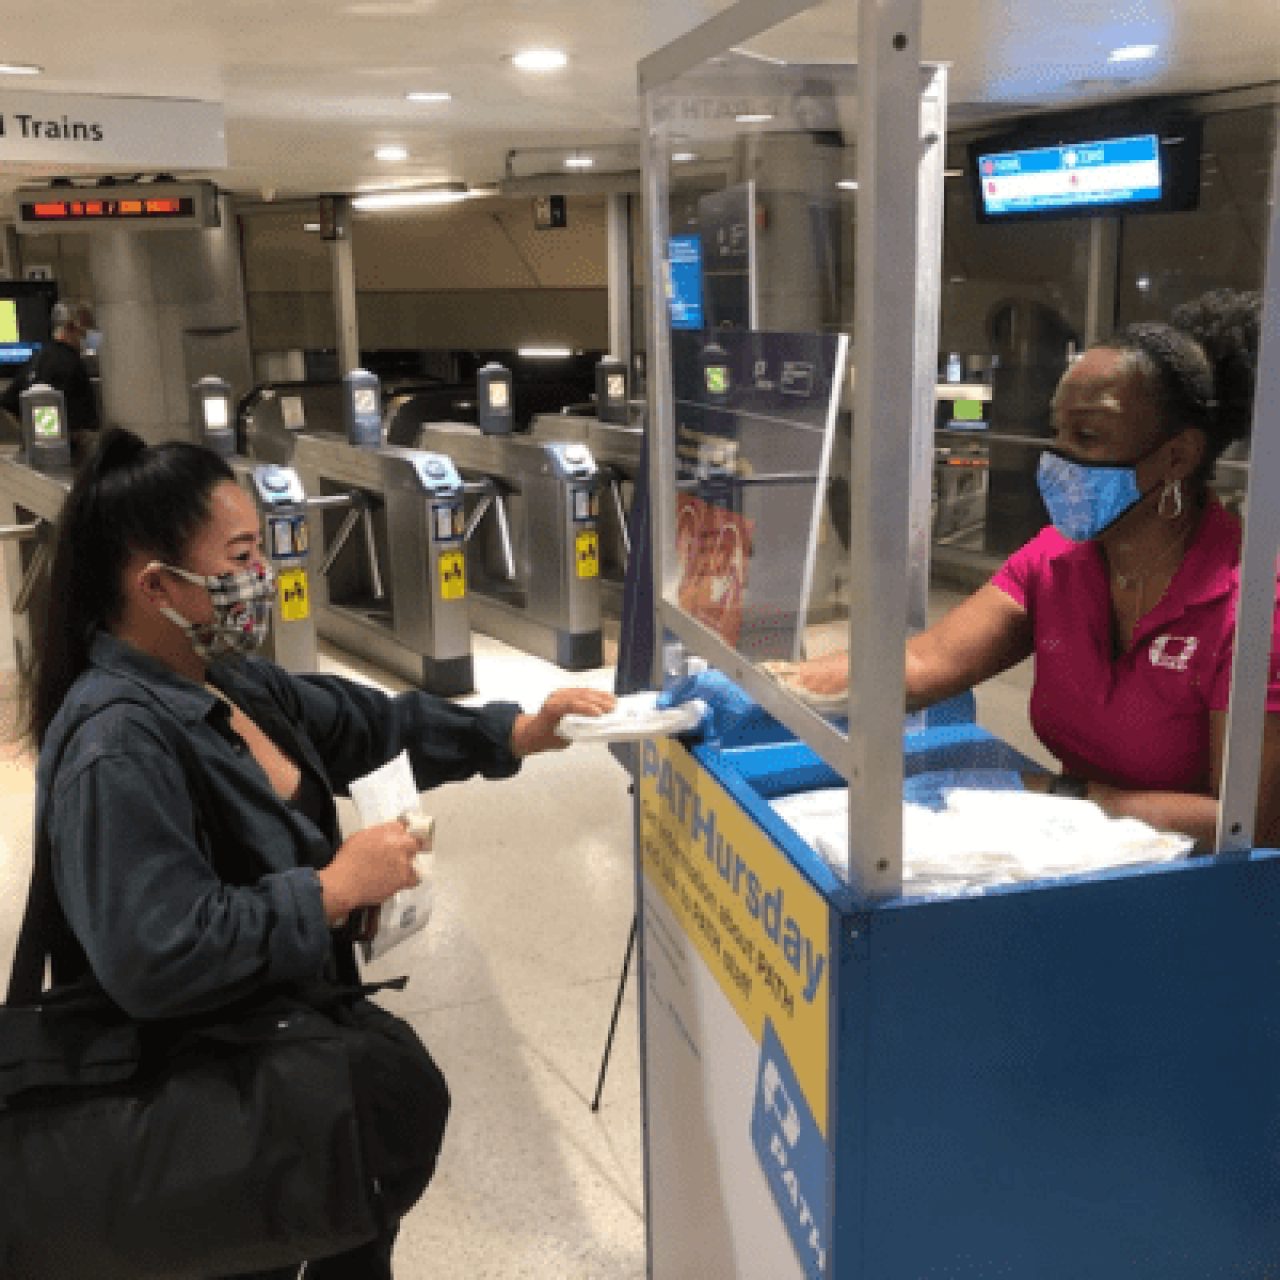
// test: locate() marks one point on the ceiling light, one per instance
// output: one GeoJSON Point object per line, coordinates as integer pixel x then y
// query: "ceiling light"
{"type": "Point", "coordinates": [20, 69]}
{"type": "Point", "coordinates": [752, 117]}
{"type": "Point", "coordinates": [392, 153]}
{"type": "Point", "coordinates": [1133, 53]}
{"type": "Point", "coordinates": [848, 184]}
{"type": "Point", "coordinates": [758, 57]}
{"type": "Point", "coordinates": [428, 95]}
{"type": "Point", "coordinates": [578, 162]}
{"type": "Point", "coordinates": [311, 226]}
{"type": "Point", "coordinates": [540, 59]}
{"type": "Point", "coordinates": [419, 199]}
{"type": "Point", "coordinates": [545, 353]}
{"type": "Point", "coordinates": [953, 173]}
{"type": "Point", "coordinates": [683, 157]}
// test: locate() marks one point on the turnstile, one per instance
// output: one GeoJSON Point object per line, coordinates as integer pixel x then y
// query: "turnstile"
{"type": "Point", "coordinates": [408, 504]}
{"type": "Point", "coordinates": [282, 512]}
{"type": "Point", "coordinates": [532, 540]}
{"type": "Point", "coordinates": [616, 449]}
{"type": "Point", "coordinates": [30, 501]}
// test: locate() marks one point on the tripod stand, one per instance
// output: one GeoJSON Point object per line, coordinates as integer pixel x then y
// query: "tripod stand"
{"type": "Point", "coordinates": [613, 1022]}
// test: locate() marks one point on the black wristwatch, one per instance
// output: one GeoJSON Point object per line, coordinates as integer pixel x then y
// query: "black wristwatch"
{"type": "Point", "coordinates": [1065, 785]}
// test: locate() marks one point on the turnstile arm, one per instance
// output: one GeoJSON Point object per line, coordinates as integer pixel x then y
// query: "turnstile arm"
{"type": "Point", "coordinates": [21, 532]}
{"type": "Point", "coordinates": [359, 511]}
{"type": "Point", "coordinates": [29, 579]}
{"type": "Point", "coordinates": [614, 479]}
{"type": "Point", "coordinates": [495, 500]}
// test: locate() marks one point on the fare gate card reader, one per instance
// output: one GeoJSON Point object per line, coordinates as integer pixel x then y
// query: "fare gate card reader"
{"type": "Point", "coordinates": [494, 409]}
{"type": "Point", "coordinates": [282, 504]}
{"type": "Point", "coordinates": [612, 392]}
{"type": "Point", "coordinates": [362, 408]}
{"type": "Point", "coordinates": [212, 416]}
{"type": "Point", "coordinates": [45, 434]}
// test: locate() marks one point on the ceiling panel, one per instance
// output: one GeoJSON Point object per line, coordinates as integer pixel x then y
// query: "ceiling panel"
{"type": "Point", "coordinates": [311, 87]}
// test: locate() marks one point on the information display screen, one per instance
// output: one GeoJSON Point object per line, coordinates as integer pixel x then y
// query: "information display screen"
{"type": "Point", "coordinates": [364, 400]}
{"type": "Point", "coordinates": [1143, 171]}
{"type": "Point", "coordinates": [215, 412]}
{"type": "Point", "coordinates": [8, 320]}
{"type": "Point", "coordinates": [106, 210]}
{"type": "Point", "coordinates": [685, 256]}
{"type": "Point", "coordinates": [46, 422]}
{"type": "Point", "coordinates": [1120, 171]}
{"type": "Point", "coordinates": [24, 320]}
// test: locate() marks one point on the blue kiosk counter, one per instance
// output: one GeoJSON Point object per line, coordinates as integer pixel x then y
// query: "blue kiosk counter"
{"type": "Point", "coordinates": [1064, 1070]}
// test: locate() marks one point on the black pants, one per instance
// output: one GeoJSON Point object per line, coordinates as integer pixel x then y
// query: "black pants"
{"type": "Point", "coordinates": [370, 1261]}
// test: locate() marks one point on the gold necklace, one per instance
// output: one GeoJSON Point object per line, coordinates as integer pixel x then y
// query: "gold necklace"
{"type": "Point", "coordinates": [1174, 553]}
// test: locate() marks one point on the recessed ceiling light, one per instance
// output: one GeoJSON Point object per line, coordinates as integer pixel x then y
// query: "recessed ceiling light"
{"type": "Point", "coordinates": [1133, 52]}
{"type": "Point", "coordinates": [20, 69]}
{"type": "Point", "coordinates": [953, 173]}
{"type": "Point", "coordinates": [428, 95]}
{"type": "Point", "coordinates": [848, 184]}
{"type": "Point", "coordinates": [419, 199]}
{"type": "Point", "coordinates": [311, 226]}
{"type": "Point", "coordinates": [578, 162]}
{"type": "Point", "coordinates": [391, 153]}
{"type": "Point", "coordinates": [683, 157]}
{"type": "Point", "coordinates": [754, 117]}
{"type": "Point", "coordinates": [540, 59]}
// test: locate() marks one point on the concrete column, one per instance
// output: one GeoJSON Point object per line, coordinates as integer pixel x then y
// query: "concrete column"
{"type": "Point", "coordinates": [171, 308]}
{"type": "Point", "coordinates": [1104, 265]}
{"type": "Point", "coordinates": [618, 231]}
{"type": "Point", "coordinates": [344, 287]}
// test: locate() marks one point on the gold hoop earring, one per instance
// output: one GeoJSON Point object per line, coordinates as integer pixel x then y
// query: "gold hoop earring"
{"type": "Point", "coordinates": [1172, 488]}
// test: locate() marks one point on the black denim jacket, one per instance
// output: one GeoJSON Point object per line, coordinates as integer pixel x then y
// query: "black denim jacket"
{"type": "Point", "coordinates": [186, 880]}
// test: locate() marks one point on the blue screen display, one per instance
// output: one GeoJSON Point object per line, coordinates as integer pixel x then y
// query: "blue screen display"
{"type": "Point", "coordinates": [13, 354]}
{"type": "Point", "coordinates": [1078, 175]}
{"type": "Point", "coordinates": [685, 303]}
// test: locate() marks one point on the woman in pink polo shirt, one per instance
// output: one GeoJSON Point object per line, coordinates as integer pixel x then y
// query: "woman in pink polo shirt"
{"type": "Point", "coordinates": [1127, 601]}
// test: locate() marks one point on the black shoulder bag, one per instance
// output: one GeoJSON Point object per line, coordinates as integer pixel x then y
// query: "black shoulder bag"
{"type": "Point", "coordinates": [285, 1128]}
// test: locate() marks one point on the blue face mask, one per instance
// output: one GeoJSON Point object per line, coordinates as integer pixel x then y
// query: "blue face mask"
{"type": "Point", "coordinates": [1086, 498]}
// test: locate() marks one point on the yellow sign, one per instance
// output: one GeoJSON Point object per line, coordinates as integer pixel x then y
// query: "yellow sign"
{"type": "Point", "coordinates": [453, 575]}
{"type": "Point", "coordinates": [761, 928]}
{"type": "Point", "coordinates": [587, 554]}
{"type": "Point", "coordinates": [295, 604]}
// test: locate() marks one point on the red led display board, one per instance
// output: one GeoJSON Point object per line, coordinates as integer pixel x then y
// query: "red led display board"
{"type": "Point", "coordinates": [106, 209]}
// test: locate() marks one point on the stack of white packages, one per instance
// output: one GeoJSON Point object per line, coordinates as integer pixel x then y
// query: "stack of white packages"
{"type": "Point", "coordinates": [983, 838]}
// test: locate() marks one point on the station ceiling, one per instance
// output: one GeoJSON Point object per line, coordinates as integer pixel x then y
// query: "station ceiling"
{"type": "Point", "coordinates": [312, 88]}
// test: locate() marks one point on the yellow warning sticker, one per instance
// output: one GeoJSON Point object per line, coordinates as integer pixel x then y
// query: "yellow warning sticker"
{"type": "Point", "coordinates": [587, 554]}
{"type": "Point", "coordinates": [453, 575]}
{"type": "Point", "coordinates": [295, 604]}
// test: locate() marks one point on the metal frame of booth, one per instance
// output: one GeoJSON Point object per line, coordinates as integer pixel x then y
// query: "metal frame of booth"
{"type": "Point", "coordinates": [1058, 1079]}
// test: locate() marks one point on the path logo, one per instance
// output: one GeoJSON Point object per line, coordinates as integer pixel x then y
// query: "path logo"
{"type": "Point", "coordinates": [792, 1154]}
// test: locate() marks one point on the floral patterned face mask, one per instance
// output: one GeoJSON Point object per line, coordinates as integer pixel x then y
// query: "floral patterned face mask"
{"type": "Point", "coordinates": [242, 603]}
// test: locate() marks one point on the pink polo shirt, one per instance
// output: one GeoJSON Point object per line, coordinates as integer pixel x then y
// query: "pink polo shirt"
{"type": "Point", "coordinates": [1140, 720]}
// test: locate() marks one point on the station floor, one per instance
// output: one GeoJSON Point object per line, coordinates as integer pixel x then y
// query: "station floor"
{"type": "Point", "coordinates": [511, 986]}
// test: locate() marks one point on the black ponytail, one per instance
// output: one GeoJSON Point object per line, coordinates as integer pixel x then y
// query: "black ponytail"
{"type": "Point", "coordinates": [1201, 368]}
{"type": "Point", "coordinates": [126, 497]}
{"type": "Point", "coordinates": [1227, 324]}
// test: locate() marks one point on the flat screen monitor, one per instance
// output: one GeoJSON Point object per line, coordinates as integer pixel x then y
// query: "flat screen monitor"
{"type": "Point", "coordinates": [1138, 170]}
{"type": "Point", "coordinates": [685, 256]}
{"type": "Point", "coordinates": [24, 320]}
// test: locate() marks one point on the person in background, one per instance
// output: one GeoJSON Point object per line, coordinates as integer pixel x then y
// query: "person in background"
{"type": "Point", "coordinates": [60, 365]}
{"type": "Point", "coordinates": [186, 787]}
{"type": "Point", "coordinates": [1127, 602]}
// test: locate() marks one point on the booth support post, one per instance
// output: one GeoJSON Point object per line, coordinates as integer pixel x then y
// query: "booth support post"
{"type": "Point", "coordinates": [1246, 712]}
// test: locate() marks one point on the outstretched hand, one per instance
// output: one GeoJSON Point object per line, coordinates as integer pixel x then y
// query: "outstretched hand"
{"type": "Point", "coordinates": [534, 733]}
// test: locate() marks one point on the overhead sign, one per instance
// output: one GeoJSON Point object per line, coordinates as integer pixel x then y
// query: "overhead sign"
{"type": "Point", "coordinates": [88, 131]}
{"type": "Point", "coordinates": [172, 206]}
